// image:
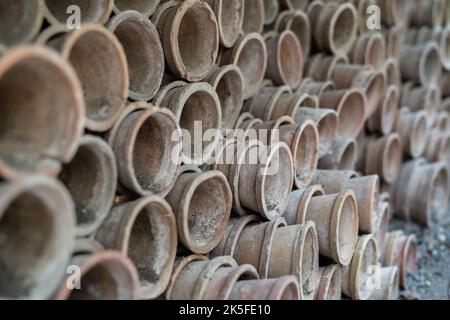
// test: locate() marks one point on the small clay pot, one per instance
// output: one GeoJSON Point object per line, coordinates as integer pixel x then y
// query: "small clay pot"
{"type": "Point", "coordinates": [145, 231]}
{"type": "Point", "coordinates": [36, 215]}
{"type": "Point", "coordinates": [145, 7]}
{"type": "Point", "coordinates": [91, 178]}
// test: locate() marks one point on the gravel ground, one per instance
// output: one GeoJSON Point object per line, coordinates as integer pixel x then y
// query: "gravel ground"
{"type": "Point", "coordinates": [432, 281]}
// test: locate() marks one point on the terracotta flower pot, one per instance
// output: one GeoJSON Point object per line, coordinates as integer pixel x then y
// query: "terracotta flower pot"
{"type": "Point", "coordinates": [329, 283]}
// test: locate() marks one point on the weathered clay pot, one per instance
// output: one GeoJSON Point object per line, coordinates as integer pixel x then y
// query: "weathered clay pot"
{"type": "Point", "coordinates": [392, 73]}
{"type": "Point", "coordinates": [284, 288]}
{"type": "Point", "coordinates": [271, 10]}
{"type": "Point", "coordinates": [250, 55]}
{"type": "Point", "coordinates": [383, 156]}
{"type": "Point", "coordinates": [140, 170]}
{"type": "Point", "coordinates": [420, 64]}
{"type": "Point", "coordinates": [106, 275]}
{"type": "Point", "coordinates": [91, 178]}
{"type": "Point", "coordinates": [190, 38]}
{"type": "Point", "coordinates": [388, 284]}
{"type": "Point", "coordinates": [230, 17]}
{"type": "Point", "coordinates": [145, 231]}
{"type": "Point", "coordinates": [202, 204]}
{"type": "Point", "coordinates": [350, 106]}
{"type": "Point", "coordinates": [36, 216]}
{"type": "Point", "coordinates": [400, 251]}
{"type": "Point", "coordinates": [268, 132]}
{"type": "Point", "coordinates": [319, 66]}
{"type": "Point", "coordinates": [100, 63]}
{"type": "Point", "coordinates": [244, 127]}
{"type": "Point", "coordinates": [299, 201]}
{"type": "Point", "coordinates": [189, 265]}
{"type": "Point", "coordinates": [424, 192]}
{"type": "Point", "coordinates": [430, 13]}
{"type": "Point", "coordinates": [336, 219]}
{"type": "Point", "coordinates": [364, 10]}
{"type": "Point", "coordinates": [326, 121]}
{"type": "Point", "coordinates": [251, 243]}
{"type": "Point", "coordinates": [303, 140]}
{"type": "Point", "coordinates": [438, 146]}
{"type": "Point", "coordinates": [393, 38]}
{"type": "Point", "coordinates": [359, 277]}
{"type": "Point", "coordinates": [228, 245]}
{"type": "Point", "coordinates": [341, 156]}
{"type": "Point", "coordinates": [442, 122]}
{"type": "Point", "coordinates": [383, 119]}
{"type": "Point", "coordinates": [328, 283]}
{"type": "Point", "coordinates": [412, 127]}
{"type": "Point", "coordinates": [369, 50]}
{"type": "Point", "coordinates": [254, 16]}
{"type": "Point", "coordinates": [295, 251]}
{"type": "Point", "coordinates": [20, 21]}
{"type": "Point", "coordinates": [43, 112]}
{"type": "Point", "coordinates": [334, 27]}
{"type": "Point", "coordinates": [425, 34]}
{"type": "Point", "coordinates": [97, 11]}
{"type": "Point", "coordinates": [87, 246]}
{"type": "Point", "coordinates": [371, 82]}
{"type": "Point", "coordinates": [145, 7]}
{"type": "Point", "coordinates": [143, 50]}
{"type": "Point", "coordinates": [261, 178]}
{"type": "Point", "coordinates": [366, 191]}
{"type": "Point", "coordinates": [197, 109]}
{"type": "Point", "coordinates": [421, 98]}
{"type": "Point", "coordinates": [284, 59]}
{"type": "Point", "coordinates": [229, 85]}
{"type": "Point", "coordinates": [298, 23]}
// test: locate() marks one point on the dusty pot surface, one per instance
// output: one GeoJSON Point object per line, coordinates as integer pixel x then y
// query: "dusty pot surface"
{"type": "Point", "coordinates": [106, 275]}
{"type": "Point", "coordinates": [202, 204]}
{"type": "Point", "coordinates": [97, 11]}
{"type": "Point", "coordinates": [254, 16]}
{"type": "Point", "coordinates": [295, 251]}
{"type": "Point", "coordinates": [143, 51]}
{"type": "Point", "coordinates": [36, 215]}
{"type": "Point", "coordinates": [145, 231]}
{"type": "Point", "coordinates": [58, 112]}
{"type": "Point", "coordinates": [91, 178]}
{"type": "Point", "coordinates": [284, 288]}
{"type": "Point", "coordinates": [358, 279]}
{"type": "Point", "coordinates": [328, 283]}
{"type": "Point", "coordinates": [190, 38]}
{"type": "Point", "coordinates": [20, 21]}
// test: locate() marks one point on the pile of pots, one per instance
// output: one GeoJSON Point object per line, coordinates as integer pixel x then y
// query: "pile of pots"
{"type": "Point", "coordinates": [103, 195]}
